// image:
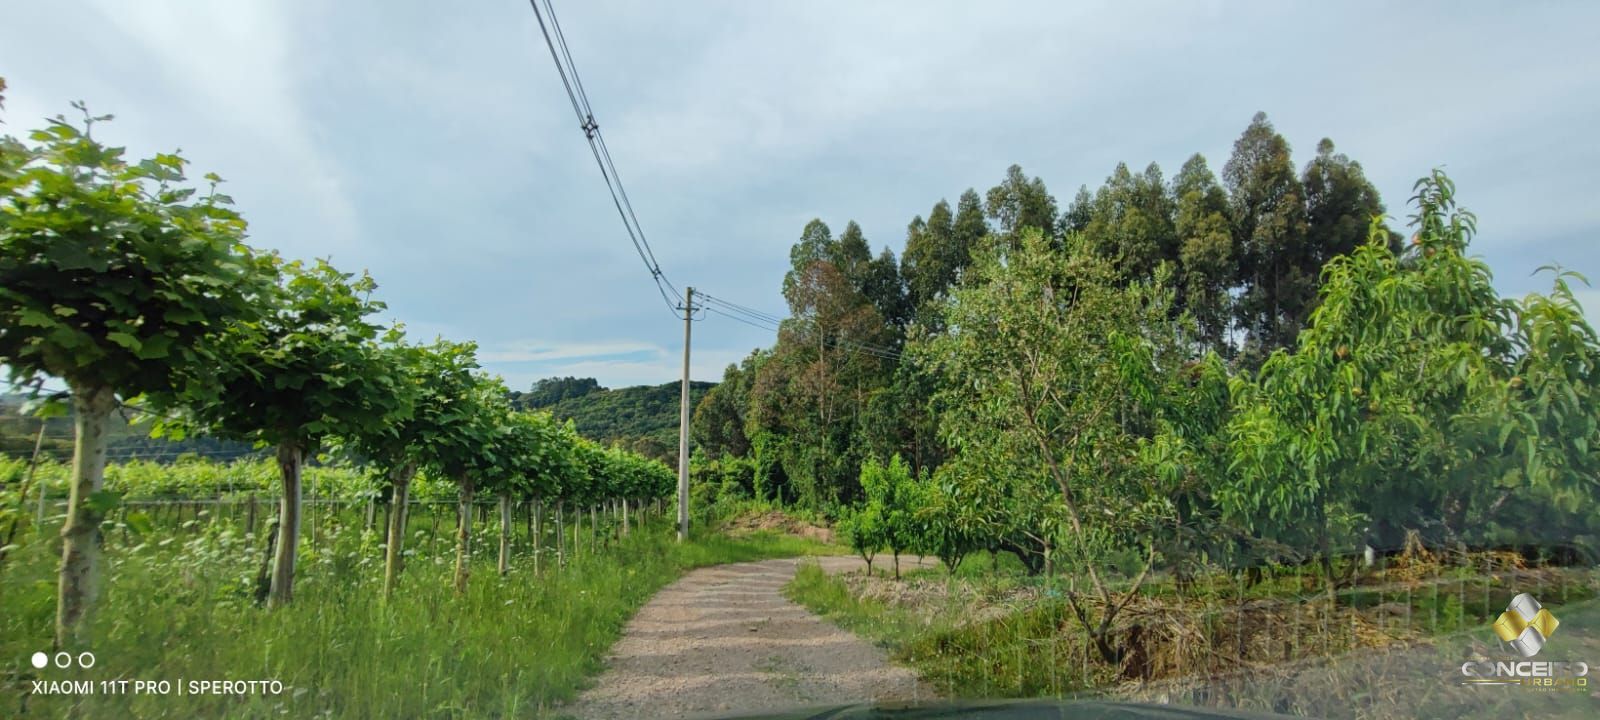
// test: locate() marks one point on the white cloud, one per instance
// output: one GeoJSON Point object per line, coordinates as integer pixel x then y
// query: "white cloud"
{"type": "Point", "coordinates": [545, 352]}
{"type": "Point", "coordinates": [234, 71]}
{"type": "Point", "coordinates": [615, 363]}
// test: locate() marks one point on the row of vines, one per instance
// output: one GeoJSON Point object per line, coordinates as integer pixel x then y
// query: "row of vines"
{"type": "Point", "coordinates": [138, 292]}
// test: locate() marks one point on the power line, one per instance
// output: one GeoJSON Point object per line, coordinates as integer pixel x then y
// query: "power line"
{"type": "Point", "coordinates": [768, 321]}
{"type": "Point", "coordinates": [836, 343]}
{"type": "Point", "coordinates": [561, 54]}
{"type": "Point", "coordinates": [743, 309]}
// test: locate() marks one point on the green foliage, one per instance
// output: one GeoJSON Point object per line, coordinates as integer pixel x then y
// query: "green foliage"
{"type": "Point", "coordinates": [864, 529]}
{"type": "Point", "coordinates": [308, 369]}
{"type": "Point", "coordinates": [947, 520]}
{"type": "Point", "coordinates": [1406, 404]}
{"type": "Point", "coordinates": [114, 274]}
{"type": "Point", "coordinates": [720, 417]}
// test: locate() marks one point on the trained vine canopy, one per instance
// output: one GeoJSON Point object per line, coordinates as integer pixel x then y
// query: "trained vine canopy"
{"type": "Point", "coordinates": [114, 276]}
{"type": "Point", "coordinates": [122, 280]}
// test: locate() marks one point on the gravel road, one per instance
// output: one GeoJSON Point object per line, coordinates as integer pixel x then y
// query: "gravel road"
{"type": "Point", "coordinates": [724, 640]}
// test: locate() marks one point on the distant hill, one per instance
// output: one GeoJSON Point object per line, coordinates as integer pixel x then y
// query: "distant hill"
{"type": "Point", "coordinates": [19, 430]}
{"type": "Point", "coordinates": [643, 418]}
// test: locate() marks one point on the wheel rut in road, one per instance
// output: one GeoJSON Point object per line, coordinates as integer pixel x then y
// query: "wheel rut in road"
{"type": "Point", "coordinates": [724, 640]}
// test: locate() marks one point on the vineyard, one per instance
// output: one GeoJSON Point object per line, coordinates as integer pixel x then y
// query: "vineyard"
{"type": "Point", "coordinates": [396, 472]}
{"type": "Point", "coordinates": [186, 575]}
{"type": "Point", "coordinates": [1199, 440]}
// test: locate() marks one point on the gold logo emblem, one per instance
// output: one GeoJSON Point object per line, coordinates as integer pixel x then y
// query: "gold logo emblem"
{"type": "Point", "coordinates": [1525, 625]}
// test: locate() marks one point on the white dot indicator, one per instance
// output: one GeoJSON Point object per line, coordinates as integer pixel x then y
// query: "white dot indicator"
{"type": "Point", "coordinates": [40, 660]}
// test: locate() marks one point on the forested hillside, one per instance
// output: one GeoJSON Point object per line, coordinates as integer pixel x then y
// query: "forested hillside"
{"type": "Point", "coordinates": [643, 418]}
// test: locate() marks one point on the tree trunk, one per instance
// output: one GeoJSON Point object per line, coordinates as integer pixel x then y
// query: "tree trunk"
{"type": "Point", "coordinates": [1327, 558]}
{"type": "Point", "coordinates": [626, 528]}
{"type": "Point", "coordinates": [464, 533]}
{"type": "Point", "coordinates": [505, 532]}
{"type": "Point", "coordinates": [395, 547]}
{"type": "Point", "coordinates": [79, 579]}
{"type": "Point", "coordinates": [290, 463]}
{"type": "Point", "coordinates": [897, 564]}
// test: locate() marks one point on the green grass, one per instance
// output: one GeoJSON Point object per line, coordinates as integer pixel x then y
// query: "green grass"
{"type": "Point", "coordinates": [995, 658]}
{"type": "Point", "coordinates": [179, 607]}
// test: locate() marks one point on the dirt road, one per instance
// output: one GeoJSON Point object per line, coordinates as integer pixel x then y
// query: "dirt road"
{"type": "Point", "coordinates": [724, 640]}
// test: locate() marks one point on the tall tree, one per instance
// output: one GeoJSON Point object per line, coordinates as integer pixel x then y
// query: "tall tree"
{"type": "Point", "coordinates": [113, 277]}
{"type": "Point", "coordinates": [1020, 202]}
{"type": "Point", "coordinates": [809, 395]}
{"type": "Point", "coordinates": [937, 251]}
{"type": "Point", "coordinates": [1131, 223]}
{"type": "Point", "coordinates": [885, 289]}
{"type": "Point", "coordinates": [851, 253]}
{"type": "Point", "coordinates": [1340, 205]}
{"type": "Point", "coordinates": [1206, 257]}
{"type": "Point", "coordinates": [719, 419]}
{"type": "Point", "coordinates": [926, 262]}
{"type": "Point", "coordinates": [1277, 270]}
{"type": "Point", "coordinates": [1079, 212]}
{"type": "Point", "coordinates": [969, 228]}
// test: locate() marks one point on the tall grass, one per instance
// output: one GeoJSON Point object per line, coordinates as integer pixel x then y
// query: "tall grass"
{"type": "Point", "coordinates": [180, 607]}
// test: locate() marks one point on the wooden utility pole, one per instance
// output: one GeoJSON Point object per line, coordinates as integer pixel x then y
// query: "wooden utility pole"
{"type": "Point", "coordinates": [683, 424]}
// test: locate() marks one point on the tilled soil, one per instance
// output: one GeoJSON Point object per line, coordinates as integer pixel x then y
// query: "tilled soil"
{"type": "Point", "coordinates": [724, 640]}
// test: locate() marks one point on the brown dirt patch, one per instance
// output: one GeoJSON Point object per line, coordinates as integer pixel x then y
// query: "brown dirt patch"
{"type": "Point", "coordinates": [781, 523]}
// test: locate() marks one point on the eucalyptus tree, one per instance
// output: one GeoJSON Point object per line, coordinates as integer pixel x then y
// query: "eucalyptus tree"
{"type": "Point", "coordinates": [1269, 235]}
{"type": "Point", "coordinates": [1019, 203]}
{"type": "Point", "coordinates": [114, 276]}
{"type": "Point", "coordinates": [1206, 253]}
{"type": "Point", "coordinates": [310, 370]}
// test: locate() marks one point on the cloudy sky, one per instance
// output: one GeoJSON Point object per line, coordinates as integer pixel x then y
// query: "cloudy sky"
{"type": "Point", "coordinates": [432, 144]}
